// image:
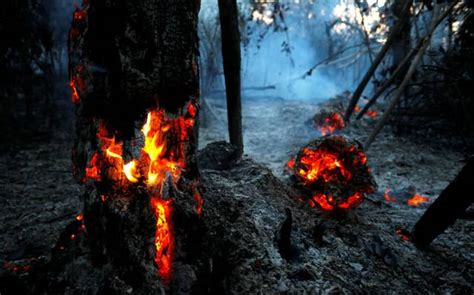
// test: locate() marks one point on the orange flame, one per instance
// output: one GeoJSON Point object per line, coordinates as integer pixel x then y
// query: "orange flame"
{"type": "Point", "coordinates": [320, 164]}
{"type": "Point", "coordinates": [163, 154]}
{"type": "Point", "coordinates": [417, 200]}
{"type": "Point", "coordinates": [131, 172]}
{"type": "Point", "coordinates": [160, 160]}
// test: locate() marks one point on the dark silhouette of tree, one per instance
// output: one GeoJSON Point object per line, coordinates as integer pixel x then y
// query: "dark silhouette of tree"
{"type": "Point", "coordinates": [231, 58]}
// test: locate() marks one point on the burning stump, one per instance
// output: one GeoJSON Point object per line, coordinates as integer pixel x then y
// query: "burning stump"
{"type": "Point", "coordinates": [333, 173]}
{"type": "Point", "coordinates": [134, 81]}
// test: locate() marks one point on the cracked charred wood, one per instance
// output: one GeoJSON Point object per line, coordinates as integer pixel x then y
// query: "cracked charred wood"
{"type": "Point", "coordinates": [229, 20]}
{"type": "Point", "coordinates": [448, 207]}
{"type": "Point", "coordinates": [131, 65]}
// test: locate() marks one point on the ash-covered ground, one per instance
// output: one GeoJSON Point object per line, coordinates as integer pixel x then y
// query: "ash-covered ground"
{"type": "Point", "coordinates": [359, 252]}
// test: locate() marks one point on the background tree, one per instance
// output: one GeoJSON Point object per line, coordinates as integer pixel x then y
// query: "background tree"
{"type": "Point", "coordinates": [229, 17]}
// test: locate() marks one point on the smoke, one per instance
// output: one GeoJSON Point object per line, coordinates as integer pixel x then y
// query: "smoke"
{"type": "Point", "coordinates": [267, 65]}
{"type": "Point", "coordinates": [278, 50]}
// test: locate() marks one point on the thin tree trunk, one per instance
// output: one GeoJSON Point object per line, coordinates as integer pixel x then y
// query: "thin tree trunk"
{"type": "Point", "coordinates": [231, 58]}
{"type": "Point", "coordinates": [418, 58]}
{"type": "Point", "coordinates": [390, 80]}
{"type": "Point", "coordinates": [373, 67]}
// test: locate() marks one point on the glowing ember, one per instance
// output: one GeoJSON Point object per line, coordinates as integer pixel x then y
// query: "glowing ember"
{"type": "Point", "coordinates": [92, 170]}
{"type": "Point", "coordinates": [163, 237]}
{"type": "Point", "coordinates": [291, 163]}
{"type": "Point", "coordinates": [321, 164]}
{"type": "Point", "coordinates": [163, 154]}
{"type": "Point", "coordinates": [80, 13]}
{"type": "Point", "coordinates": [372, 114]}
{"type": "Point", "coordinates": [388, 197]}
{"type": "Point", "coordinates": [333, 170]}
{"type": "Point", "coordinates": [199, 201]}
{"type": "Point", "coordinates": [330, 123]}
{"type": "Point", "coordinates": [75, 95]}
{"type": "Point", "coordinates": [18, 267]}
{"type": "Point", "coordinates": [404, 234]}
{"type": "Point", "coordinates": [80, 217]}
{"type": "Point", "coordinates": [417, 200]}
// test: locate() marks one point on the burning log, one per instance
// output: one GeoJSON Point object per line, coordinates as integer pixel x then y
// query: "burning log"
{"type": "Point", "coordinates": [333, 172]}
{"type": "Point", "coordinates": [134, 81]}
{"type": "Point", "coordinates": [446, 209]}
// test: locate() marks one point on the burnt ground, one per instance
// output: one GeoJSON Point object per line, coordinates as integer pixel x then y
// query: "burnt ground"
{"type": "Point", "coordinates": [355, 252]}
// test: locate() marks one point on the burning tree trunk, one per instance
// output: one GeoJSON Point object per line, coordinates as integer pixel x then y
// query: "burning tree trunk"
{"type": "Point", "coordinates": [134, 80]}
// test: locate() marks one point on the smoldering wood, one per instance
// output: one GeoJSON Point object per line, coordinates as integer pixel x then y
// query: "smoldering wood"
{"type": "Point", "coordinates": [451, 205]}
{"type": "Point", "coordinates": [229, 20]}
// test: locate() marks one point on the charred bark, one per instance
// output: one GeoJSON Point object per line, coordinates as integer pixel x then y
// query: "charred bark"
{"type": "Point", "coordinates": [134, 64]}
{"type": "Point", "coordinates": [231, 58]}
{"type": "Point", "coordinates": [448, 207]}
